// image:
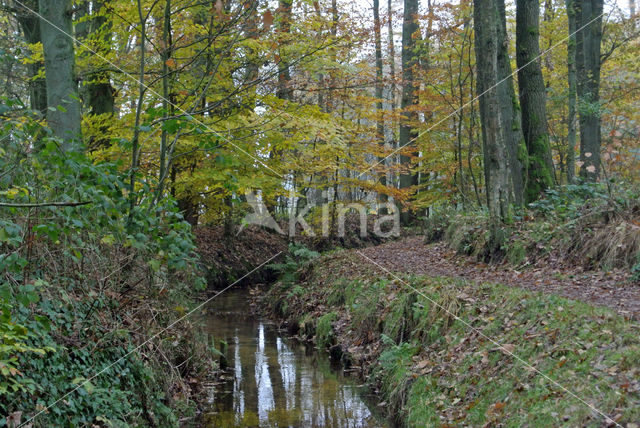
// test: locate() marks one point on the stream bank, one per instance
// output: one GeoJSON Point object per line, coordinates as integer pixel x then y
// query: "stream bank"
{"type": "Point", "coordinates": [442, 351]}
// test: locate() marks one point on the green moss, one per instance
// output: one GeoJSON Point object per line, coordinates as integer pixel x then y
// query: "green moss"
{"type": "Point", "coordinates": [324, 330]}
{"type": "Point", "coordinates": [539, 174]}
{"type": "Point", "coordinates": [516, 253]}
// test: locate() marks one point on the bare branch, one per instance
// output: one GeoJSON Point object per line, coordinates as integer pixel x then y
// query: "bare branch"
{"type": "Point", "coordinates": [44, 204]}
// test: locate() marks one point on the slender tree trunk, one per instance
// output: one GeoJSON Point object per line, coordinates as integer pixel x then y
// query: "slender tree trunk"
{"type": "Point", "coordinates": [571, 66]}
{"type": "Point", "coordinates": [253, 60]}
{"type": "Point", "coordinates": [392, 56]}
{"type": "Point", "coordinates": [379, 90]}
{"type": "Point", "coordinates": [494, 141]}
{"type": "Point", "coordinates": [63, 114]}
{"type": "Point", "coordinates": [30, 25]}
{"type": "Point", "coordinates": [135, 141]}
{"type": "Point", "coordinates": [408, 99]}
{"type": "Point", "coordinates": [166, 54]}
{"type": "Point", "coordinates": [96, 92]}
{"type": "Point", "coordinates": [510, 109]}
{"type": "Point", "coordinates": [588, 41]}
{"type": "Point", "coordinates": [284, 90]}
{"type": "Point", "coordinates": [533, 99]}
{"type": "Point", "coordinates": [392, 86]}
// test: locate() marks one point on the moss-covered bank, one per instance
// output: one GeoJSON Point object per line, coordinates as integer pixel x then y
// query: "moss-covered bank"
{"type": "Point", "coordinates": [428, 352]}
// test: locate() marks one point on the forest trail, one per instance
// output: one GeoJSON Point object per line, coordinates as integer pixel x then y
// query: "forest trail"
{"type": "Point", "coordinates": [412, 255]}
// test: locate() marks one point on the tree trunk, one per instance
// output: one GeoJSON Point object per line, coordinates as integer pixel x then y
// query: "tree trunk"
{"type": "Point", "coordinates": [533, 100]}
{"type": "Point", "coordinates": [494, 142]}
{"type": "Point", "coordinates": [392, 58]}
{"type": "Point", "coordinates": [135, 140]}
{"type": "Point", "coordinates": [571, 119]}
{"type": "Point", "coordinates": [408, 99]}
{"type": "Point", "coordinates": [284, 90]}
{"type": "Point", "coordinates": [97, 94]}
{"type": "Point", "coordinates": [392, 87]}
{"type": "Point", "coordinates": [63, 113]}
{"type": "Point", "coordinates": [253, 57]}
{"type": "Point", "coordinates": [588, 41]}
{"type": "Point", "coordinates": [379, 88]}
{"type": "Point", "coordinates": [167, 108]}
{"type": "Point", "coordinates": [510, 114]}
{"type": "Point", "coordinates": [30, 25]}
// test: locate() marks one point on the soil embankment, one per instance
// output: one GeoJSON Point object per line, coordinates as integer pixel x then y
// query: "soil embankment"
{"type": "Point", "coordinates": [445, 351]}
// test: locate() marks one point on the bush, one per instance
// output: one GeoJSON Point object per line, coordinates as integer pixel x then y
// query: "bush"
{"type": "Point", "coordinates": [324, 330]}
{"type": "Point", "coordinates": [82, 286]}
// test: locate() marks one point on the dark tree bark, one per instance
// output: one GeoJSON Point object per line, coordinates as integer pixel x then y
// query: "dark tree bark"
{"type": "Point", "coordinates": [588, 43]}
{"type": "Point", "coordinates": [63, 114]}
{"type": "Point", "coordinates": [284, 90]}
{"type": "Point", "coordinates": [30, 25]}
{"type": "Point", "coordinates": [408, 99]}
{"type": "Point", "coordinates": [509, 107]}
{"type": "Point", "coordinates": [392, 56]}
{"type": "Point", "coordinates": [167, 106]}
{"type": "Point", "coordinates": [532, 100]}
{"type": "Point", "coordinates": [253, 61]}
{"type": "Point", "coordinates": [378, 53]}
{"type": "Point", "coordinates": [571, 118]}
{"type": "Point", "coordinates": [379, 88]}
{"type": "Point", "coordinates": [97, 94]}
{"type": "Point", "coordinates": [494, 141]}
{"type": "Point", "coordinates": [392, 86]}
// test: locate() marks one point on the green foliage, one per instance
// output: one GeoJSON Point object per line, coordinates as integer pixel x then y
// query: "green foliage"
{"type": "Point", "coordinates": [539, 172]}
{"type": "Point", "coordinates": [394, 372]}
{"type": "Point", "coordinates": [73, 279]}
{"type": "Point", "coordinates": [324, 330]}
{"type": "Point", "coordinates": [516, 252]}
{"type": "Point", "coordinates": [635, 272]}
{"type": "Point", "coordinates": [436, 224]}
{"type": "Point", "coordinates": [593, 223]}
{"type": "Point", "coordinates": [14, 342]}
{"type": "Point", "coordinates": [297, 257]}
{"type": "Point", "coordinates": [568, 202]}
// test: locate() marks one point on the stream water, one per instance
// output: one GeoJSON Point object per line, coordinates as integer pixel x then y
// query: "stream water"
{"type": "Point", "coordinates": [272, 381]}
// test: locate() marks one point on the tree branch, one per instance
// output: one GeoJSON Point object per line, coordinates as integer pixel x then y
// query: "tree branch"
{"type": "Point", "coordinates": [44, 204]}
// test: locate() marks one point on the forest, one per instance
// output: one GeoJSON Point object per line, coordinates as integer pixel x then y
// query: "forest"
{"type": "Point", "coordinates": [319, 213]}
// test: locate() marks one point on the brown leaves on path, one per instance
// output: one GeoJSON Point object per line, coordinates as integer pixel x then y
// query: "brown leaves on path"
{"type": "Point", "coordinates": [412, 256]}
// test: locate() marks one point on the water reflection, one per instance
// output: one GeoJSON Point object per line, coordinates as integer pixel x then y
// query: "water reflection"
{"type": "Point", "coordinates": [291, 386]}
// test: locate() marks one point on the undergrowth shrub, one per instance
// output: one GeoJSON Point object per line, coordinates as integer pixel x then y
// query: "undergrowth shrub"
{"type": "Point", "coordinates": [596, 225]}
{"type": "Point", "coordinates": [297, 257]}
{"type": "Point", "coordinates": [324, 330]}
{"type": "Point", "coordinates": [81, 286]}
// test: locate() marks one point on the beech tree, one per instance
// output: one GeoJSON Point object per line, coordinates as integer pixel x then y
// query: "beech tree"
{"type": "Point", "coordinates": [571, 92]}
{"type": "Point", "coordinates": [588, 43]}
{"type": "Point", "coordinates": [532, 92]}
{"type": "Point", "coordinates": [408, 99]}
{"type": "Point", "coordinates": [510, 114]}
{"type": "Point", "coordinates": [97, 94]}
{"type": "Point", "coordinates": [494, 141]}
{"type": "Point", "coordinates": [63, 102]}
{"type": "Point", "coordinates": [30, 25]}
{"type": "Point", "coordinates": [379, 87]}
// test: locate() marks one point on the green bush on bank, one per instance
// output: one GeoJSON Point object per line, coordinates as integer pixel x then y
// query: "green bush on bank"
{"type": "Point", "coordinates": [82, 286]}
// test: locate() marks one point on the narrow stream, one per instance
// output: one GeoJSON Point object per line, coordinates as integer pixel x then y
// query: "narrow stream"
{"type": "Point", "coordinates": [272, 381]}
